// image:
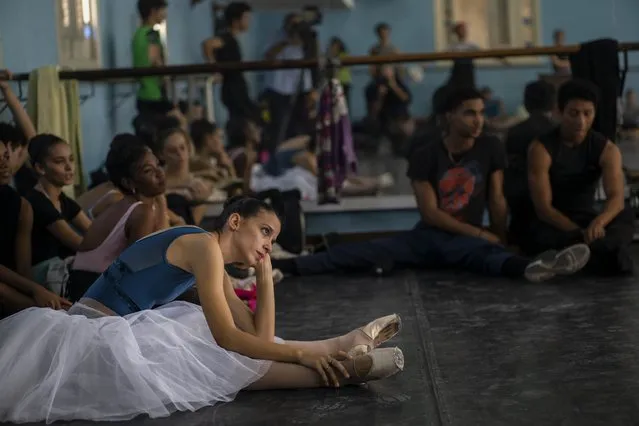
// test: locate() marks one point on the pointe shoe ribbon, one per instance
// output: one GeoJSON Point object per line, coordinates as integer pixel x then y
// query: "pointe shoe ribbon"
{"type": "Point", "coordinates": [386, 362]}
{"type": "Point", "coordinates": [374, 329]}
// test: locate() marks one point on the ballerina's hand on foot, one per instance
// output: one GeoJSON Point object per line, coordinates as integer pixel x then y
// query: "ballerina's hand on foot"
{"type": "Point", "coordinates": [375, 333]}
{"type": "Point", "coordinates": [329, 367]}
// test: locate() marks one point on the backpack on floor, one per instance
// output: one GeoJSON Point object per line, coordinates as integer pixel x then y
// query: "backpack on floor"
{"type": "Point", "coordinates": [292, 238]}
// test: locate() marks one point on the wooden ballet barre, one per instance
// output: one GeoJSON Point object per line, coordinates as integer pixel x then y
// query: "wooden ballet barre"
{"type": "Point", "coordinates": [177, 70]}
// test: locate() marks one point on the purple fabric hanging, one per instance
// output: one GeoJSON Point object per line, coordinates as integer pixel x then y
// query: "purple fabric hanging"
{"type": "Point", "coordinates": [336, 152]}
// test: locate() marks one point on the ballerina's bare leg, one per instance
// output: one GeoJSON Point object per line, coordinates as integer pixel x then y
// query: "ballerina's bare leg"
{"type": "Point", "coordinates": [282, 375]}
{"type": "Point", "coordinates": [294, 376]}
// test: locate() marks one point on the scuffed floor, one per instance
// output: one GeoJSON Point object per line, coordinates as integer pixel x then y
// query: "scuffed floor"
{"type": "Point", "coordinates": [478, 351]}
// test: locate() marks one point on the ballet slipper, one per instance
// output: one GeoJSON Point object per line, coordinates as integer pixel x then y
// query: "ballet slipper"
{"type": "Point", "coordinates": [386, 362]}
{"type": "Point", "coordinates": [374, 329]}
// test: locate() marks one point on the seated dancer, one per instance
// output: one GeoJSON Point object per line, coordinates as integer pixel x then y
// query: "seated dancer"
{"type": "Point", "coordinates": [136, 172]}
{"type": "Point", "coordinates": [17, 291]}
{"type": "Point", "coordinates": [174, 149]}
{"type": "Point", "coordinates": [539, 100]}
{"type": "Point", "coordinates": [565, 168]}
{"type": "Point", "coordinates": [112, 357]}
{"type": "Point", "coordinates": [210, 154]}
{"type": "Point", "coordinates": [454, 178]}
{"type": "Point", "coordinates": [292, 166]}
{"type": "Point", "coordinates": [17, 138]}
{"type": "Point", "coordinates": [16, 217]}
{"type": "Point", "coordinates": [58, 221]}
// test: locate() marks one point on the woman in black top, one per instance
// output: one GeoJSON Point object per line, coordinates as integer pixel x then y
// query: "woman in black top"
{"type": "Point", "coordinates": [16, 218]}
{"type": "Point", "coordinates": [58, 221]}
{"type": "Point", "coordinates": [17, 292]}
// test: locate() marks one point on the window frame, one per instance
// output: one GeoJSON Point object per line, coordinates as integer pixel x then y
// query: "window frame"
{"type": "Point", "coordinates": [514, 20]}
{"type": "Point", "coordinates": [85, 63]}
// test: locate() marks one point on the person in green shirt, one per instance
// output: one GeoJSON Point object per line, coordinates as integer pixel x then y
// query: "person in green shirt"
{"type": "Point", "coordinates": [148, 51]}
{"type": "Point", "coordinates": [337, 49]}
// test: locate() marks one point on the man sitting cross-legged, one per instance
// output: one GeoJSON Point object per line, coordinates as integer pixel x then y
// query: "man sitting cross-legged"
{"type": "Point", "coordinates": [455, 177]}
{"type": "Point", "coordinates": [564, 171]}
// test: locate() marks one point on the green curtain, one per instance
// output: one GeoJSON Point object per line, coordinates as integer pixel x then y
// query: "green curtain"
{"type": "Point", "coordinates": [54, 107]}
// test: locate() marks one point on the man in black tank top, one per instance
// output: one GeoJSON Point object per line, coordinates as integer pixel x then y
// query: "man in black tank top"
{"type": "Point", "coordinates": [564, 171]}
{"type": "Point", "coordinates": [226, 48]}
{"type": "Point", "coordinates": [456, 178]}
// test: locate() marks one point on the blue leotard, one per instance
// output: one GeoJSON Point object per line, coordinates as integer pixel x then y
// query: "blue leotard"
{"type": "Point", "coordinates": [141, 277]}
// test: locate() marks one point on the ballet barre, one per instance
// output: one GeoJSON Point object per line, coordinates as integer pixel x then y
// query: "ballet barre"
{"type": "Point", "coordinates": [183, 70]}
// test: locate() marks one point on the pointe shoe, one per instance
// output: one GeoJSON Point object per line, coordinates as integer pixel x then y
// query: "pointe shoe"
{"type": "Point", "coordinates": [373, 330]}
{"type": "Point", "coordinates": [386, 362]}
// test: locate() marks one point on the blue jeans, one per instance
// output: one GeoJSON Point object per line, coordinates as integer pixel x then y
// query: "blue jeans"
{"type": "Point", "coordinates": [421, 247]}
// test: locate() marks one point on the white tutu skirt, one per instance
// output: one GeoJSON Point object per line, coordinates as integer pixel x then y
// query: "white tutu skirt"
{"type": "Point", "coordinates": [80, 365]}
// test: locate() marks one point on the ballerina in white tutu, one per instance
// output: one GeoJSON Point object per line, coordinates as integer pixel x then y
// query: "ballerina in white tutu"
{"type": "Point", "coordinates": [113, 357]}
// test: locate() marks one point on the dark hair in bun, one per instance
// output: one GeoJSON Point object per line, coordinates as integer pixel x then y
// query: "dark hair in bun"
{"type": "Point", "coordinates": [40, 145]}
{"type": "Point", "coordinates": [245, 206]}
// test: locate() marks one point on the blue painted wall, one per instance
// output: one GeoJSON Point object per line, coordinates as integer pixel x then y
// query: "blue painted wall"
{"type": "Point", "coordinates": [27, 31]}
{"type": "Point", "coordinates": [28, 34]}
{"type": "Point", "coordinates": [30, 43]}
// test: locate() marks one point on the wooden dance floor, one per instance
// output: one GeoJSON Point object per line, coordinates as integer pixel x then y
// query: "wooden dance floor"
{"type": "Point", "coordinates": [478, 351]}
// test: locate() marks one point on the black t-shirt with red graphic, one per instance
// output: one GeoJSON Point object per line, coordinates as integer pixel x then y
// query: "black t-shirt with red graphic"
{"type": "Point", "coordinates": [461, 182]}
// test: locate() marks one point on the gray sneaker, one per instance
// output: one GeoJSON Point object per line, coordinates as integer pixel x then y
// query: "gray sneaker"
{"type": "Point", "coordinates": [566, 262]}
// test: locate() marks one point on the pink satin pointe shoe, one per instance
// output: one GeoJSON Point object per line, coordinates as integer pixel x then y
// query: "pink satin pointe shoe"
{"type": "Point", "coordinates": [377, 331]}
{"type": "Point", "coordinates": [386, 362]}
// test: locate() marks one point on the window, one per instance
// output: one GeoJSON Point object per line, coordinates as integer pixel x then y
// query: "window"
{"type": "Point", "coordinates": [78, 34]}
{"type": "Point", "coordinates": [492, 24]}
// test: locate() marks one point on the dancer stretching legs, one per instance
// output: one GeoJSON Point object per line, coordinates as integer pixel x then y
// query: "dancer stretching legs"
{"type": "Point", "coordinates": [113, 357]}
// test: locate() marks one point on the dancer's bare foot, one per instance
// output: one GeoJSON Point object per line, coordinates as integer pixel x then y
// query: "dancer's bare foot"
{"type": "Point", "coordinates": [373, 334]}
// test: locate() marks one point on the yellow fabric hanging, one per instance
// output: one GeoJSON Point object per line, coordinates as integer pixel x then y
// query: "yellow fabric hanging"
{"type": "Point", "coordinates": [54, 107]}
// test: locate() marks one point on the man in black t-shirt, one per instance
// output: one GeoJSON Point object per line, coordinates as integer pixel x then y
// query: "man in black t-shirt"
{"type": "Point", "coordinates": [565, 169]}
{"type": "Point", "coordinates": [454, 179]}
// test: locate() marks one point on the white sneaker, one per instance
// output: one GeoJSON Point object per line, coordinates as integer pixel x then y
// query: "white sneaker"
{"type": "Point", "coordinates": [566, 262]}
